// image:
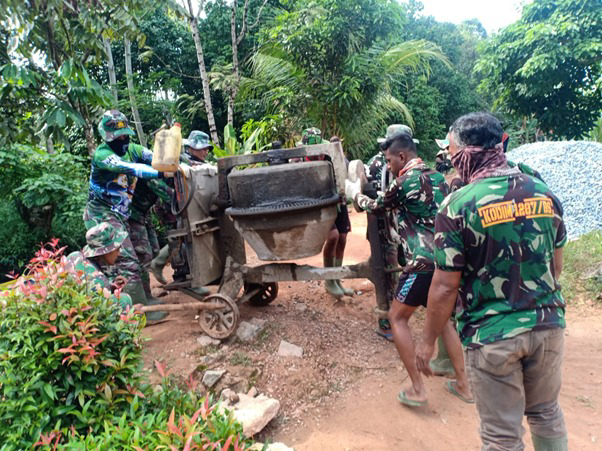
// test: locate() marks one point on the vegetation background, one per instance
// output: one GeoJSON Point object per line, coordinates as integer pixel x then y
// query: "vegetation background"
{"type": "Point", "coordinates": [262, 70]}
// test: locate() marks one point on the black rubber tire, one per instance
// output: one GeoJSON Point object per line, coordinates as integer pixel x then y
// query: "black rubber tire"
{"type": "Point", "coordinates": [268, 292]}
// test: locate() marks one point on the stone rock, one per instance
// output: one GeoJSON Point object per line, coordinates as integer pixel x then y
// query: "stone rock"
{"type": "Point", "coordinates": [254, 413]}
{"type": "Point", "coordinates": [252, 392]}
{"type": "Point", "coordinates": [287, 349]}
{"type": "Point", "coordinates": [205, 340]}
{"type": "Point", "coordinates": [225, 394]}
{"type": "Point", "coordinates": [271, 447]}
{"type": "Point", "coordinates": [259, 322]}
{"type": "Point", "coordinates": [300, 307]}
{"type": "Point", "coordinates": [211, 377]}
{"type": "Point", "coordinates": [247, 332]}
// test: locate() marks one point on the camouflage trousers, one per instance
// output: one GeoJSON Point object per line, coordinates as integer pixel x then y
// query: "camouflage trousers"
{"type": "Point", "coordinates": [127, 264]}
{"type": "Point", "coordinates": [144, 240]}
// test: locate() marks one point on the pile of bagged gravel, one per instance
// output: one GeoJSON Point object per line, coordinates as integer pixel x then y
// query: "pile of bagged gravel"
{"type": "Point", "coordinates": [573, 171]}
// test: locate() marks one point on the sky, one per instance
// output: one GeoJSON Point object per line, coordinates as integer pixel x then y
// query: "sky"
{"type": "Point", "coordinates": [493, 15]}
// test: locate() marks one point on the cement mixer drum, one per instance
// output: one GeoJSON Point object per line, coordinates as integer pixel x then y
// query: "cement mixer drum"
{"type": "Point", "coordinates": [284, 212]}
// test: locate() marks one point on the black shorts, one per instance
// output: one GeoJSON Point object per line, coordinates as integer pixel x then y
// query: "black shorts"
{"type": "Point", "coordinates": [413, 288]}
{"type": "Point", "coordinates": [342, 222]}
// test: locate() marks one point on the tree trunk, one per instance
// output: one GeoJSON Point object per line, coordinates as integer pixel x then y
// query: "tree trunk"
{"type": "Point", "coordinates": [111, 69]}
{"type": "Point", "coordinates": [203, 70]}
{"type": "Point", "coordinates": [49, 145]}
{"type": "Point", "coordinates": [130, 82]}
{"type": "Point", "coordinates": [90, 141]}
{"type": "Point", "coordinates": [233, 91]}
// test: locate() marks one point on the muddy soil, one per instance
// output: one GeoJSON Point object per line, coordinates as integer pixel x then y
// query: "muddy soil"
{"type": "Point", "coordinates": [341, 395]}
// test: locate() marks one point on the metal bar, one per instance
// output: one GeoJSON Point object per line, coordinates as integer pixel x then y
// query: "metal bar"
{"type": "Point", "coordinates": [178, 307]}
{"type": "Point", "coordinates": [378, 275]}
{"type": "Point", "coordinates": [275, 272]}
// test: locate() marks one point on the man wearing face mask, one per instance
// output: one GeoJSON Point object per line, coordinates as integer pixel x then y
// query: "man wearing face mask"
{"type": "Point", "coordinates": [498, 256]}
{"type": "Point", "coordinates": [415, 195]}
{"type": "Point", "coordinates": [116, 166]}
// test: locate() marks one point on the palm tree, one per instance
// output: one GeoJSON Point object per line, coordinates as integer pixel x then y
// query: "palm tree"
{"type": "Point", "coordinates": [354, 101]}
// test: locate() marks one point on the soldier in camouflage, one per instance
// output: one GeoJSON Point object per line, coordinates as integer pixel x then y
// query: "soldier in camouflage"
{"type": "Point", "coordinates": [142, 233]}
{"type": "Point", "coordinates": [196, 150]}
{"type": "Point", "coordinates": [101, 252]}
{"type": "Point", "coordinates": [498, 252]}
{"type": "Point", "coordinates": [116, 166]}
{"type": "Point", "coordinates": [197, 146]}
{"type": "Point", "coordinates": [415, 195]}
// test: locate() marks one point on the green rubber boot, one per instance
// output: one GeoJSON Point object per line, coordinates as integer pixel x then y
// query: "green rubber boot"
{"type": "Point", "coordinates": [136, 292]}
{"type": "Point", "coordinates": [550, 444]}
{"type": "Point", "coordinates": [442, 365]}
{"type": "Point", "coordinates": [332, 287]}
{"type": "Point", "coordinates": [346, 291]}
{"type": "Point", "coordinates": [201, 291]}
{"type": "Point", "coordinates": [159, 263]}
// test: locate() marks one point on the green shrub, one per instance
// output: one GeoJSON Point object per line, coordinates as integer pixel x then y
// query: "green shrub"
{"type": "Point", "coordinates": [70, 373]}
{"type": "Point", "coordinates": [68, 357]}
{"type": "Point", "coordinates": [581, 257]}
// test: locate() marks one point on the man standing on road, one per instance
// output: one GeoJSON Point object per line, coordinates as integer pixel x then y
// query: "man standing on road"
{"type": "Point", "coordinates": [498, 251]}
{"type": "Point", "coordinates": [415, 194]}
{"type": "Point", "coordinates": [381, 178]}
{"type": "Point", "coordinates": [116, 166]}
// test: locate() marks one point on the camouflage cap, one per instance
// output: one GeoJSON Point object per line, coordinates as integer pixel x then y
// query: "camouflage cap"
{"type": "Point", "coordinates": [114, 124]}
{"type": "Point", "coordinates": [102, 239]}
{"type": "Point", "coordinates": [311, 136]}
{"type": "Point", "coordinates": [197, 140]}
{"type": "Point", "coordinates": [394, 129]}
{"type": "Point", "coordinates": [442, 143]}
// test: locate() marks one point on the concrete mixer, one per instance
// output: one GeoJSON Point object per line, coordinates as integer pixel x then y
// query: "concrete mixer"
{"type": "Point", "coordinates": [280, 204]}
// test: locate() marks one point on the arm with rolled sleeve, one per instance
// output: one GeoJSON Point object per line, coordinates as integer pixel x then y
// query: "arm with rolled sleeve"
{"type": "Point", "coordinates": [107, 160]}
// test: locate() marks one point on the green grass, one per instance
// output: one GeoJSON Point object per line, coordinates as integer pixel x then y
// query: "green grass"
{"type": "Point", "coordinates": [240, 358]}
{"type": "Point", "coordinates": [580, 257]}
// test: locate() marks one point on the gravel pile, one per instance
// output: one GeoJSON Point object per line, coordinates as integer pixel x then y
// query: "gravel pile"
{"type": "Point", "coordinates": [573, 171]}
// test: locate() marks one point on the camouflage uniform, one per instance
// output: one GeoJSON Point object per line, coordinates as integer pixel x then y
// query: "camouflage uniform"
{"type": "Point", "coordinates": [142, 233]}
{"type": "Point", "coordinates": [112, 183]}
{"type": "Point", "coordinates": [416, 196]}
{"type": "Point", "coordinates": [101, 240]}
{"type": "Point", "coordinates": [502, 232]}
{"type": "Point", "coordinates": [508, 284]}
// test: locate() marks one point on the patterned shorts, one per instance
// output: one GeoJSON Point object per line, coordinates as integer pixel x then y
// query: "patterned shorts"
{"type": "Point", "coordinates": [413, 288]}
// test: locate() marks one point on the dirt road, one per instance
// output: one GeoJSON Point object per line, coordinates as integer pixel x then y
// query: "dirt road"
{"type": "Point", "coordinates": [342, 394]}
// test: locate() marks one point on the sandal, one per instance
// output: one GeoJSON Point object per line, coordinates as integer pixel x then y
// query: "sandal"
{"type": "Point", "coordinates": [450, 386]}
{"type": "Point", "coordinates": [402, 398]}
{"type": "Point", "coordinates": [386, 335]}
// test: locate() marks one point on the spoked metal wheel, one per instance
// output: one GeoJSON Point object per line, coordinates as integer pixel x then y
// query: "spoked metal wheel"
{"type": "Point", "coordinates": [219, 323]}
{"type": "Point", "coordinates": [264, 293]}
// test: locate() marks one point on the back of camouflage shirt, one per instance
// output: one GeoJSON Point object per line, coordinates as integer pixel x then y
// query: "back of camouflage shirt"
{"type": "Point", "coordinates": [501, 232]}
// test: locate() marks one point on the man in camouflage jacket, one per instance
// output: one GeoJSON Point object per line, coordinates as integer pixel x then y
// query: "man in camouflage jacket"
{"type": "Point", "coordinates": [498, 253]}
{"type": "Point", "coordinates": [415, 195]}
{"type": "Point", "coordinates": [116, 166]}
{"type": "Point", "coordinates": [94, 262]}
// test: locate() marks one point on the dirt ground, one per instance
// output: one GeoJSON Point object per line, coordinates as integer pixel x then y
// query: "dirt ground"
{"type": "Point", "coordinates": [341, 395]}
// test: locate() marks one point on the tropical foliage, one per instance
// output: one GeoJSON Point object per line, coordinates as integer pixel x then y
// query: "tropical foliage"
{"type": "Point", "coordinates": [70, 372]}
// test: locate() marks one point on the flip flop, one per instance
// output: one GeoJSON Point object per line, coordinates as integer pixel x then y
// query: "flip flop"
{"type": "Point", "coordinates": [387, 336]}
{"type": "Point", "coordinates": [450, 386]}
{"type": "Point", "coordinates": [402, 398]}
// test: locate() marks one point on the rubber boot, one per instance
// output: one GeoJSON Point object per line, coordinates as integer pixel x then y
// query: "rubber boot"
{"type": "Point", "coordinates": [332, 287]}
{"type": "Point", "coordinates": [159, 263]}
{"type": "Point", "coordinates": [442, 365]}
{"type": "Point", "coordinates": [201, 291]}
{"type": "Point", "coordinates": [550, 444]}
{"type": "Point", "coordinates": [136, 292]}
{"type": "Point", "coordinates": [346, 291]}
